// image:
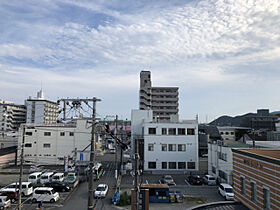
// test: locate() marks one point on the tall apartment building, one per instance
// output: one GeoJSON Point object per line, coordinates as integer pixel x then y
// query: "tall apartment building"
{"type": "Point", "coordinates": [41, 111]}
{"type": "Point", "coordinates": [11, 116]}
{"type": "Point", "coordinates": [162, 100]}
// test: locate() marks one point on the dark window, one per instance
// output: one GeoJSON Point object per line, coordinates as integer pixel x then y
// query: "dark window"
{"type": "Point", "coordinates": [28, 145]}
{"type": "Point", "coordinates": [164, 131]}
{"type": "Point", "coordinates": [181, 147]}
{"type": "Point", "coordinates": [62, 133]}
{"type": "Point", "coordinates": [47, 145]}
{"type": "Point", "coordinates": [227, 133]}
{"type": "Point", "coordinates": [191, 165]}
{"type": "Point", "coordinates": [71, 134]}
{"type": "Point", "coordinates": [172, 165]}
{"type": "Point", "coordinates": [171, 131]}
{"type": "Point", "coordinates": [190, 131]}
{"type": "Point", "coordinates": [164, 147]}
{"type": "Point", "coordinates": [28, 133]}
{"type": "Point", "coordinates": [152, 165]}
{"type": "Point", "coordinates": [172, 147]}
{"type": "Point", "coordinates": [164, 165]}
{"type": "Point", "coordinates": [181, 165]}
{"type": "Point", "coordinates": [231, 133]}
{"type": "Point", "coordinates": [181, 131]}
{"type": "Point", "coordinates": [213, 170]}
{"type": "Point", "coordinates": [222, 133]}
{"type": "Point", "coordinates": [47, 133]}
{"type": "Point", "coordinates": [150, 147]}
{"type": "Point", "coordinates": [242, 187]}
{"type": "Point", "coordinates": [152, 130]}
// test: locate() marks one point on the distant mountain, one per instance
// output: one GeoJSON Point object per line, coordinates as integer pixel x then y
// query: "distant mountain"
{"type": "Point", "coordinates": [238, 121]}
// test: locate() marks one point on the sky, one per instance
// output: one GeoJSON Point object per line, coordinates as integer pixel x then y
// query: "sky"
{"type": "Point", "coordinates": [224, 55]}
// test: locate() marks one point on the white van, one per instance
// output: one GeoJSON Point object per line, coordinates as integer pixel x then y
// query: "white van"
{"type": "Point", "coordinates": [209, 180]}
{"type": "Point", "coordinates": [58, 177]}
{"type": "Point", "coordinates": [46, 177]}
{"type": "Point", "coordinates": [45, 194]}
{"type": "Point", "coordinates": [35, 177]}
{"type": "Point", "coordinates": [27, 187]}
{"type": "Point", "coordinates": [4, 202]}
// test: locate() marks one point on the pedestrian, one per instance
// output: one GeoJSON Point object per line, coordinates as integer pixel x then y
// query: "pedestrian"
{"type": "Point", "coordinates": [40, 204]}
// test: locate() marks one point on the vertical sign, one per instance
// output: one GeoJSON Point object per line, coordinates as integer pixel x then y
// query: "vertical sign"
{"type": "Point", "coordinates": [65, 163]}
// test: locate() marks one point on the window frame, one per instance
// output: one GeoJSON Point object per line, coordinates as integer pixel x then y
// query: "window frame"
{"type": "Point", "coordinates": [152, 131]}
{"type": "Point", "coordinates": [150, 147]}
{"type": "Point", "coordinates": [183, 149]}
{"type": "Point", "coordinates": [173, 148]}
{"type": "Point", "coordinates": [152, 162]}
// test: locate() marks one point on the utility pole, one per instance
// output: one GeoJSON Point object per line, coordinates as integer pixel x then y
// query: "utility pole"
{"type": "Point", "coordinates": [116, 148]}
{"type": "Point", "coordinates": [92, 150]}
{"type": "Point", "coordinates": [21, 167]}
{"type": "Point", "coordinates": [136, 175]}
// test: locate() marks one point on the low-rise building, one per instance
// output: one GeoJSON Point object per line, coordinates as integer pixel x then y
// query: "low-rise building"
{"type": "Point", "coordinates": [165, 146]}
{"type": "Point", "coordinates": [50, 144]}
{"type": "Point", "coordinates": [256, 175]}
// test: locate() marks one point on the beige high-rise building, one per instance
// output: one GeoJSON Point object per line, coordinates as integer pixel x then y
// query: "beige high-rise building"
{"type": "Point", "coordinates": [162, 100]}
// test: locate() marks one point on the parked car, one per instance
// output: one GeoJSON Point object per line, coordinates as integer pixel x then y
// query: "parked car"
{"type": "Point", "coordinates": [44, 194]}
{"type": "Point", "coordinates": [12, 194]}
{"type": "Point", "coordinates": [226, 191]}
{"type": "Point", "coordinates": [195, 180]}
{"type": "Point", "coordinates": [167, 179]}
{"type": "Point", "coordinates": [46, 177]}
{"type": "Point", "coordinates": [58, 177]}
{"type": "Point", "coordinates": [4, 202]}
{"type": "Point", "coordinates": [35, 177]}
{"type": "Point", "coordinates": [71, 178]}
{"type": "Point", "coordinates": [58, 186]}
{"type": "Point", "coordinates": [101, 191]}
{"type": "Point", "coordinates": [209, 180]}
{"type": "Point", "coordinates": [27, 187]}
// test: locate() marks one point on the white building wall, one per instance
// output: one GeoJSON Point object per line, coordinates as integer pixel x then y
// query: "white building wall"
{"type": "Point", "coordinates": [28, 105]}
{"type": "Point", "coordinates": [159, 156]}
{"type": "Point", "coordinates": [221, 162]}
{"type": "Point", "coordinates": [39, 112]}
{"type": "Point", "coordinates": [60, 146]}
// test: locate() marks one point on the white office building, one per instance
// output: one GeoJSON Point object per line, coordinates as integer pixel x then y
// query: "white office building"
{"type": "Point", "coordinates": [165, 146]}
{"type": "Point", "coordinates": [41, 111]}
{"type": "Point", "coordinates": [49, 144]}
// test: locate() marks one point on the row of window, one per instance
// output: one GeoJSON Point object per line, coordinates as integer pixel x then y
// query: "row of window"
{"type": "Point", "coordinates": [227, 133]}
{"type": "Point", "coordinates": [46, 155]}
{"type": "Point", "coordinates": [46, 145]}
{"type": "Point", "coordinates": [171, 147]}
{"type": "Point", "coordinates": [28, 133]}
{"type": "Point", "coordinates": [253, 186]}
{"type": "Point", "coordinates": [172, 131]}
{"type": "Point", "coordinates": [172, 165]}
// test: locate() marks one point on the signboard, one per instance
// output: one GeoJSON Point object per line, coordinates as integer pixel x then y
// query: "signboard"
{"type": "Point", "coordinates": [65, 163]}
{"type": "Point", "coordinates": [81, 156]}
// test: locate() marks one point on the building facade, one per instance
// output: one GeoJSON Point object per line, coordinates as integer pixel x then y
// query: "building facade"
{"type": "Point", "coordinates": [41, 111]}
{"type": "Point", "coordinates": [166, 146]}
{"type": "Point", "coordinates": [256, 175]}
{"type": "Point", "coordinates": [49, 144]}
{"type": "Point", "coordinates": [162, 100]}
{"type": "Point", "coordinates": [11, 116]}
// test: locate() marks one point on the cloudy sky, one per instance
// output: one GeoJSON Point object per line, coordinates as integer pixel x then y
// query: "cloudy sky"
{"type": "Point", "coordinates": [224, 55]}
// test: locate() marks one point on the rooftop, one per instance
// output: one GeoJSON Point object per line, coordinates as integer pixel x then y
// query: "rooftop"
{"type": "Point", "coordinates": [265, 152]}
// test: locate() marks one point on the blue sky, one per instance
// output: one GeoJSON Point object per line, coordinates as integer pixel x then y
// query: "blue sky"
{"type": "Point", "coordinates": [224, 55]}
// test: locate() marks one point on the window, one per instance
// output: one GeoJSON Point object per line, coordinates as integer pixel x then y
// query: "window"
{"type": "Point", "coordinates": [172, 165]}
{"type": "Point", "coordinates": [181, 131]}
{"type": "Point", "coordinates": [266, 199]}
{"type": "Point", "coordinates": [164, 147]}
{"type": "Point", "coordinates": [213, 169]}
{"type": "Point", "coordinates": [253, 191]}
{"type": "Point", "coordinates": [28, 145]}
{"type": "Point", "coordinates": [242, 187]}
{"type": "Point", "coordinates": [227, 133]}
{"type": "Point", "coordinates": [222, 133]}
{"type": "Point", "coordinates": [171, 131]}
{"type": "Point", "coordinates": [62, 133]}
{"type": "Point", "coordinates": [164, 165]}
{"type": "Point", "coordinates": [28, 133]}
{"type": "Point", "coordinates": [152, 165]}
{"type": "Point", "coordinates": [190, 131]}
{"type": "Point", "coordinates": [223, 175]}
{"type": "Point", "coordinates": [181, 147]}
{"type": "Point", "coordinates": [172, 147]}
{"type": "Point", "coordinates": [164, 131]}
{"type": "Point", "coordinates": [152, 130]}
{"type": "Point", "coordinates": [47, 133]}
{"type": "Point", "coordinates": [150, 147]}
{"type": "Point", "coordinates": [71, 134]}
{"type": "Point", "coordinates": [231, 133]}
{"type": "Point", "coordinates": [181, 165]}
{"type": "Point", "coordinates": [47, 145]}
{"type": "Point", "coordinates": [191, 165]}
